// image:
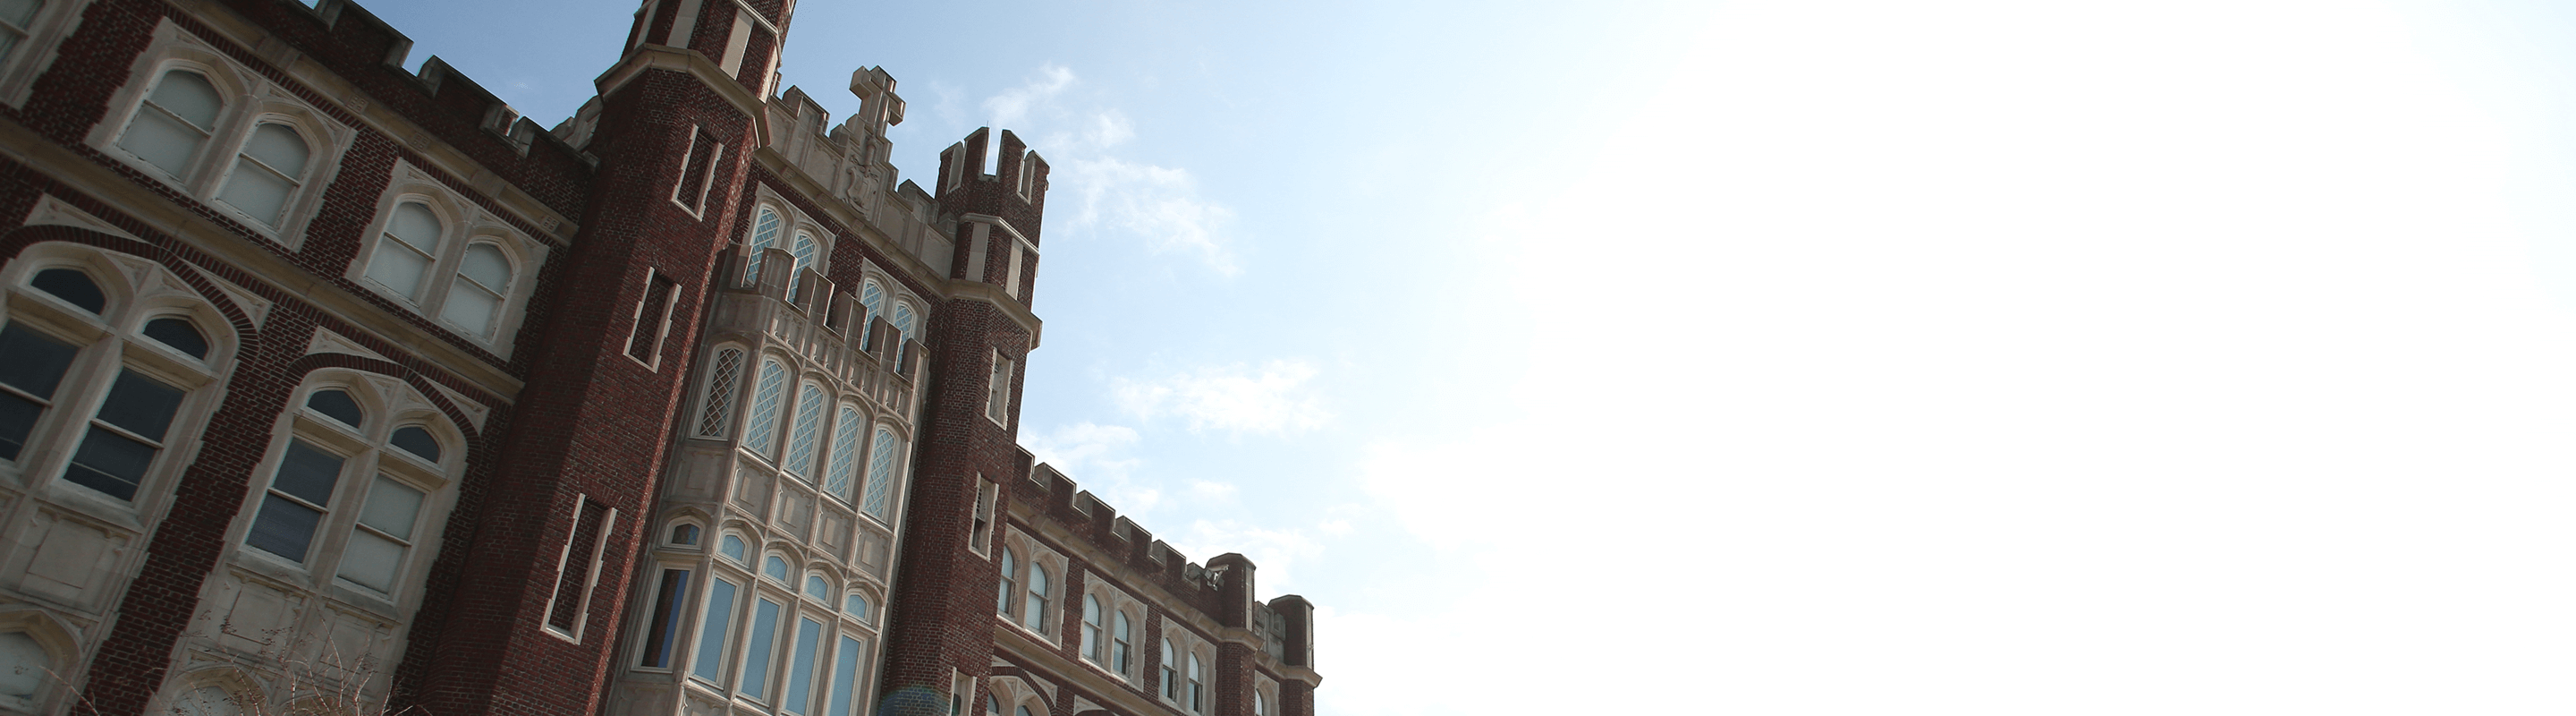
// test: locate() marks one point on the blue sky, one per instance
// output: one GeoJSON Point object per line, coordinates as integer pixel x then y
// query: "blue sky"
{"type": "Point", "coordinates": [1791, 358]}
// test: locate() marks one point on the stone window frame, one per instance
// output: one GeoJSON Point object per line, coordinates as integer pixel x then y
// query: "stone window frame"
{"type": "Point", "coordinates": [391, 404]}
{"type": "Point", "coordinates": [108, 343]}
{"type": "Point", "coordinates": [463, 224]}
{"type": "Point", "coordinates": [1015, 693]}
{"type": "Point", "coordinates": [251, 99]}
{"type": "Point", "coordinates": [662, 535]}
{"type": "Point", "coordinates": [1188, 642]}
{"type": "Point", "coordinates": [895, 484]}
{"type": "Point", "coordinates": [735, 391]}
{"type": "Point", "coordinates": [1031, 554]}
{"type": "Point", "coordinates": [246, 691]}
{"type": "Point", "coordinates": [1114, 601]}
{"type": "Point", "coordinates": [56, 637]}
{"type": "Point", "coordinates": [35, 54]}
{"type": "Point", "coordinates": [791, 220]}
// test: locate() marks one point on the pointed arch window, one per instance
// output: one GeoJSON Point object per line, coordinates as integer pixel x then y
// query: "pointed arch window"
{"type": "Point", "coordinates": [810, 405]}
{"type": "Point", "coordinates": [719, 403]}
{"type": "Point", "coordinates": [1171, 673]}
{"type": "Point", "coordinates": [474, 299]}
{"type": "Point", "coordinates": [267, 173]}
{"type": "Point", "coordinates": [1121, 647]}
{"type": "Point", "coordinates": [1002, 603]}
{"type": "Point", "coordinates": [1033, 613]}
{"type": "Point", "coordinates": [903, 325]}
{"type": "Point", "coordinates": [348, 493]}
{"type": "Point", "coordinates": [805, 251]}
{"type": "Point", "coordinates": [1091, 641]}
{"type": "Point", "coordinates": [881, 466]}
{"type": "Point", "coordinates": [842, 474]}
{"type": "Point", "coordinates": [873, 296]}
{"type": "Point", "coordinates": [405, 251]}
{"type": "Point", "coordinates": [760, 434]}
{"type": "Point", "coordinates": [764, 234]}
{"type": "Point", "coordinates": [174, 122]}
{"type": "Point", "coordinates": [1198, 685]}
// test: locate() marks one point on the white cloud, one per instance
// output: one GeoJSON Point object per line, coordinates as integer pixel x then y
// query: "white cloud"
{"type": "Point", "coordinates": [1096, 456]}
{"type": "Point", "coordinates": [1159, 205]}
{"type": "Point", "coordinates": [1274, 552]}
{"type": "Point", "coordinates": [1238, 399]}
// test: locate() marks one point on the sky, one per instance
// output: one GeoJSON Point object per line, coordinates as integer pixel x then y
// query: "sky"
{"type": "Point", "coordinates": [1789, 358]}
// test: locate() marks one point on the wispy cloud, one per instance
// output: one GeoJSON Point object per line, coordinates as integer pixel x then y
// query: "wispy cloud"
{"type": "Point", "coordinates": [1276, 552]}
{"type": "Point", "coordinates": [1159, 205]}
{"type": "Point", "coordinates": [1095, 455]}
{"type": "Point", "coordinates": [1271, 399]}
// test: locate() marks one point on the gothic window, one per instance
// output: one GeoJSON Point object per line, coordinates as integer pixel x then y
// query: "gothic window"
{"type": "Point", "coordinates": [267, 173]}
{"type": "Point", "coordinates": [1171, 673]}
{"type": "Point", "coordinates": [714, 413]}
{"type": "Point", "coordinates": [349, 489]}
{"type": "Point", "coordinates": [1121, 645]}
{"type": "Point", "coordinates": [805, 250]}
{"type": "Point", "coordinates": [903, 327]}
{"type": "Point", "coordinates": [175, 120]}
{"type": "Point", "coordinates": [409, 243]}
{"type": "Point", "coordinates": [764, 234]}
{"type": "Point", "coordinates": [1198, 685]}
{"type": "Point", "coordinates": [760, 433]}
{"type": "Point", "coordinates": [1002, 603]}
{"type": "Point", "coordinates": [881, 468]}
{"type": "Point", "coordinates": [1091, 641]}
{"type": "Point", "coordinates": [820, 590]}
{"type": "Point", "coordinates": [62, 323]}
{"type": "Point", "coordinates": [857, 605]}
{"type": "Point", "coordinates": [683, 535]}
{"type": "Point", "coordinates": [842, 473]}
{"type": "Point", "coordinates": [810, 406]}
{"type": "Point", "coordinates": [482, 281]}
{"type": "Point", "coordinates": [873, 296]}
{"type": "Point", "coordinates": [1260, 706]}
{"type": "Point", "coordinates": [734, 549]}
{"type": "Point", "coordinates": [774, 567]}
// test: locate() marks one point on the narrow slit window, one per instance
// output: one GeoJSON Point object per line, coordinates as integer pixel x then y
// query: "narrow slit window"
{"type": "Point", "coordinates": [844, 469]}
{"type": "Point", "coordinates": [810, 405]}
{"type": "Point", "coordinates": [997, 395]}
{"type": "Point", "coordinates": [662, 634]}
{"type": "Point", "coordinates": [652, 318]}
{"type": "Point", "coordinates": [699, 173]}
{"type": "Point", "coordinates": [761, 434]}
{"type": "Point", "coordinates": [712, 419]}
{"type": "Point", "coordinates": [714, 627]}
{"type": "Point", "coordinates": [881, 464]}
{"type": "Point", "coordinates": [578, 568]}
{"type": "Point", "coordinates": [762, 648]}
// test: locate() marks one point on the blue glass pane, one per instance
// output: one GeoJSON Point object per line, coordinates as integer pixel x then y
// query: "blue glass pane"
{"type": "Point", "coordinates": [756, 655]}
{"type": "Point", "coordinates": [733, 548]}
{"type": "Point", "coordinates": [32, 361]}
{"type": "Point", "coordinates": [814, 587]}
{"type": "Point", "coordinates": [417, 441]}
{"type": "Point", "coordinates": [109, 463]}
{"type": "Point", "coordinates": [71, 286]}
{"type": "Point", "coordinates": [140, 405]}
{"type": "Point", "coordinates": [177, 333]}
{"type": "Point", "coordinates": [670, 603]}
{"type": "Point", "coordinates": [711, 637]}
{"type": "Point", "coordinates": [774, 567]}
{"type": "Point", "coordinates": [284, 528]}
{"type": "Point", "coordinates": [800, 674]}
{"type": "Point", "coordinates": [337, 405]}
{"type": "Point", "coordinates": [845, 677]}
{"type": "Point", "coordinates": [857, 606]}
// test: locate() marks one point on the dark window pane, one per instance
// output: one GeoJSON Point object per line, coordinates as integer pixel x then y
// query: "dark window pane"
{"type": "Point", "coordinates": [338, 405]}
{"type": "Point", "coordinates": [307, 473]}
{"type": "Point", "coordinates": [177, 333]}
{"type": "Point", "coordinates": [284, 528]}
{"type": "Point", "coordinates": [17, 419]}
{"type": "Point", "coordinates": [71, 285]}
{"type": "Point", "coordinates": [109, 463]}
{"type": "Point", "coordinates": [141, 405]}
{"type": "Point", "coordinates": [416, 441]}
{"type": "Point", "coordinates": [32, 361]}
{"type": "Point", "coordinates": [668, 613]}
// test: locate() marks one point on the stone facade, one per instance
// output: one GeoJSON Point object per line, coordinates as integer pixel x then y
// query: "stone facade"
{"type": "Point", "coordinates": [325, 384]}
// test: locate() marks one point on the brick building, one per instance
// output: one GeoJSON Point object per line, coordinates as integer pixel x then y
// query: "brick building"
{"type": "Point", "coordinates": [322, 380]}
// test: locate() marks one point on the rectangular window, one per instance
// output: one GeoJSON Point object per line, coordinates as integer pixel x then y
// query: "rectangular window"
{"type": "Point", "coordinates": [375, 553]}
{"type": "Point", "coordinates": [716, 624]}
{"type": "Point", "coordinates": [698, 173]}
{"type": "Point", "coordinates": [997, 395]}
{"type": "Point", "coordinates": [800, 668]}
{"type": "Point", "coordinates": [31, 366]}
{"type": "Point", "coordinates": [763, 647]}
{"type": "Point", "coordinates": [298, 495]}
{"type": "Point", "coordinates": [845, 677]}
{"type": "Point", "coordinates": [985, 493]}
{"type": "Point", "coordinates": [125, 436]}
{"type": "Point", "coordinates": [577, 570]}
{"type": "Point", "coordinates": [652, 318]}
{"type": "Point", "coordinates": [663, 632]}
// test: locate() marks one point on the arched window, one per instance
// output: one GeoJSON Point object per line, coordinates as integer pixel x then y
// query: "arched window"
{"type": "Point", "coordinates": [60, 316]}
{"type": "Point", "coordinates": [805, 250]}
{"type": "Point", "coordinates": [820, 590]}
{"type": "Point", "coordinates": [684, 535]}
{"type": "Point", "coordinates": [1121, 650]}
{"type": "Point", "coordinates": [1034, 612]}
{"type": "Point", "coordinates": [24, 668]}
{"type": "Point", "coordinates": [712, 419]}
{"type": "Point", "coordinates": [1091, 628]}
{"type": "Point", "coordinates": [903, 320]}
{"type": "Point", "coordinates": [810, 404]}
{"type": "Point", "coordinates": [992, 706]}
{"type": "Point", "coordinates": [761, 433]}
{"type": "Point", "coordinates": [474, 299]}
{"type": "Point", "coordinates": [354, 475]}
{"type": "Point", "coordinates": [872, 296]}
{"type": "Point", "coordinates": [179, 334]}
{"type": "Point", "coordinates": [206, 701]}
{"type": "Point", "coordinates": [403, 254]}
{"type": "Point", "coordinates": [842, 475]}
{"type": "Point", "coordinates": [764, 234]}
{"type": "Point", "coordinates": [1002, 603]}
{"type": "Point", "coordinates": [125, 435]}
{"type": "Point", "coordinates": [857, 605]}
{"type": "Point", "coordinates": [267, 173]}
{"type": "Point", "coordinates": [881, 461]}
{"type": "Point", "coordinates": [1198, 685]}
{"type": "Point", "coordinates": [1171, 673]}
{"type": "Point", "coordinates": [734, 549]}
{"type": "Point", "coordinates": [1024, 710]}
{"type": "Point", "coordinates": [72, 287]}
{"type": "Point", "coordinates": [774, 568]}
{"type": "Point", "coordinates": [174, 122]}
{"type": "Point", "coordinates": [1260, 707]}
